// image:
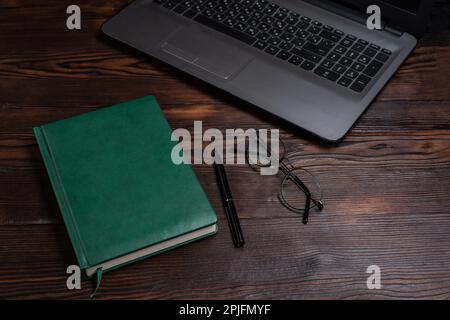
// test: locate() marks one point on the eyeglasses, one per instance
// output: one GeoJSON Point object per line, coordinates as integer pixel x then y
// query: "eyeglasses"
{"type": "Point", "coordinates": [295, 179]}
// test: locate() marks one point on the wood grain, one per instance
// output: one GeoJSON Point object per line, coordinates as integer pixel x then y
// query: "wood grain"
{"type": "Point", "coordinates": [326, 259]}
{"type": "Point", "coordinates": [386, 185]}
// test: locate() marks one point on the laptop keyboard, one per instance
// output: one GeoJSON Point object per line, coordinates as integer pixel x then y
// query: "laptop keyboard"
{"type": "Point", "coordinates": [296, 39]}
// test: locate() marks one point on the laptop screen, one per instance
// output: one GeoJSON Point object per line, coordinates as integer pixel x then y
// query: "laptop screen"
{"type": "Point", "coordinates": [408, 5]}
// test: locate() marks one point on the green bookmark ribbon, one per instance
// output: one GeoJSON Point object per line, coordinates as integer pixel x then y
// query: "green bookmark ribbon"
{"type": "Point", "coordinates": [99, 282]}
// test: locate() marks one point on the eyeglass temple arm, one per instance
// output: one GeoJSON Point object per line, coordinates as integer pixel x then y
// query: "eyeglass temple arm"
{"type": "Point", "coordinates": [307, 193]}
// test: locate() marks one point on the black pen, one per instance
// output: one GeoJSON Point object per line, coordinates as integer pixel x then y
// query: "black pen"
{"type": "Point", "coordinates": [230, 210]}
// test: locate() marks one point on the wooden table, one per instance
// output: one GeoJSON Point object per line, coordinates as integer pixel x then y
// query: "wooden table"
{"type": "Point", "coordinates": [386, 185]}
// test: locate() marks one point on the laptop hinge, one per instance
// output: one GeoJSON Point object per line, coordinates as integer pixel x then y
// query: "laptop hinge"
{"type": "Point", "coordinates": [393, 31]}
{"type": "Point", "coordinates": [339, 9]}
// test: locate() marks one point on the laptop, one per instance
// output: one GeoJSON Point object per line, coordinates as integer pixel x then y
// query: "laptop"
{"type": "Point", "coordinates": [314, 64]}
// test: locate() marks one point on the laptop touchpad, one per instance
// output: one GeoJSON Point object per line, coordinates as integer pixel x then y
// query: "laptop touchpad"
{"type": "Point", "coordinates": [207, 51]}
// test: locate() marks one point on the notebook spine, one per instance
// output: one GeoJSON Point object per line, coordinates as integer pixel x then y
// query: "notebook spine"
{"type": "Point", "coordinates": [61, 197]}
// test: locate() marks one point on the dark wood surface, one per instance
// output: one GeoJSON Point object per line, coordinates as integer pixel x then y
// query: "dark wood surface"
{"type": "Point", "coordinates": [386, 185]}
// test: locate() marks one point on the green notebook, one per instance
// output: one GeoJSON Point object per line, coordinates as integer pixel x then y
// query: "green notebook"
{"type": "Point", "coordinates": [121, 196]}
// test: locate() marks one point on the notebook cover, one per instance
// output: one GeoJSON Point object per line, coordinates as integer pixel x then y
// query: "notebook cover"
{"type": "Point", "coordinates": [115, 182]}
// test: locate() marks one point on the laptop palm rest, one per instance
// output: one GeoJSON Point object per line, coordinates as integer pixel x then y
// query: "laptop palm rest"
{"type": "Point", "coordinates": [207, 51]}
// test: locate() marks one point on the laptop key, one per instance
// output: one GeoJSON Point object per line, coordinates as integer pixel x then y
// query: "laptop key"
{"type": "Point", "coordinates": [314, 39]}
{"type": "Point", "coordinates": [209, 12]}
{"type": "Point", "coordinates": [219, 17]}
{"type": "Point", "coordinates": [280, 15]}
{"type": "Point", "coordinates": [224, 29]}
{"type": "Point", "coordinates": [284, 55]}
{"type": "Point", "coordinates": [358, 66]}
{"type": "Point", "coordinates": [276, 32]}
{"type": "Point", "coordinates": [286, 46]}
{"type": "Point", "coordinates": [287, 36]}
{"type": "Point", "coordinates": [339, 32]}
{"type": "Point", "coordinates": [269, 11]}
{"type": "Point", "coordinates": [292, 20]}
{"type": "Point", "coordinates": [210, 4]}
{"type": "Point", "coordinates": [343, 81]}
{"type": "Point", "coordinates": [352, 74]}
{"type": "Point", "coordinates": [339, 68]}
{"type": "Point", "coordinates": [263, 36]}
{"type": "Point", "coordinates": [295, 60]}
{"type": "Point", "coordinates": [302, 25]}
{"type": "Point", "coordinates": [251, 31]}
{"type": "Point", "coordinates": [187, 3]}
{"type": "Point", "coordinates": [169, 5]}
{"type": "Point", "coordinates": [233, 13]}
{"type": "Point", "coordinates": [306, 19]}
{"type": "Point", "coordinates": [253, 22]}
{"type": "Point", "coordinates": [370, 52]}
{"type": "Point", "coordinates": [298, 42]}
{"type": "Point", "coordinates": [291, 29]}
{"type": "Point", "coordinates": [279, 24]}
{"type": "Point", "coordinates": [328, 64]}
{"type": "Point", "coordinates": [352, 54]}
{"type": "Point", "coordinates": [382, 57]}
{"type": "Point", "coordinates": [327, 43]}
{"type": "Point", "coordinates": [260, 45]}
{"type": "Point", "coordinates": [340, 49]}
{"type": "Point", "coordinates": [363, 42]}
{"type": "Point", "coordinates": [346, 42]}
{"type": "Point", "coordinates": [346, 61]}
{"type": "Point", "coordinates": [330, 75]}
{"type": "Point", "coordinates": [373, 68]}
{"type": "Point", "coordinates": [274, 41]}
{"type": "Point", "coordinates": [314, 29]}
{"type": "Point", "coordinates": [272, 50]}
{"type": "Point", "coordinates": [240, 26]}
{"type": "Point", "coordinates": [264, 27]}
{"type": "Point", "coordinates": [257, 15]}
{"type": "Point", "coordinates": [221, 8]}
{"type": "Point", "coordinates": [360, 84]}
{"type": "Point", "coordinates": [334, 56]}
{"type": "Point", "coordinates": [269, 20]}
{"type": "Point", "coordinates": [363, 59]}
{"type": "Point", "coordinates": [308, 65]}
{"type": "Point", "coordinates": [302, 34]}
{"type": "Point", "coordinates": [316, 48]}
{"type": "Point", "coordinates": [358, 47]}
{"type": "Point", "coordinates": [306, 54]}
{"type": "Point", "coordinates": [330, 36]}
{"type": "Point", "coordinates": [229, 22]}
